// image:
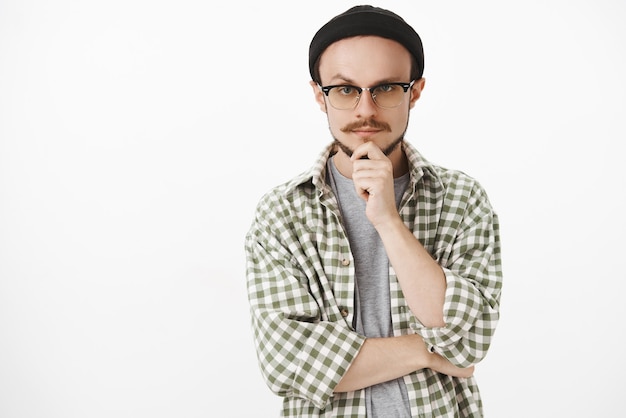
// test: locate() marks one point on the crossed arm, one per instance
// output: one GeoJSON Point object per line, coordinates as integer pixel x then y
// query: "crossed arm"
{"type": "Point", "coordinates": [383, 359]}
{"type": "Point", "coordinates": [422, 280]}
{"type": "Point", "coordinates": [289, 325]}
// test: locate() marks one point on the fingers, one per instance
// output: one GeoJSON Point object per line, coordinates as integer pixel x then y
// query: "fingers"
{"type": "Point", "coordinates": [436, 362]}
{"type": "Point", "coordinates": [372, 172]}
{"type": "Point", "coordinates": [367, 151]}
{"type": "Point", "coordinates": [441, 365]}
{"type": "Point", "coordinates": [369, 178]}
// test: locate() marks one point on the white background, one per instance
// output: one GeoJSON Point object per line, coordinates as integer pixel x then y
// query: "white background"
{"type": "Point", "coordinates": [136, 137]}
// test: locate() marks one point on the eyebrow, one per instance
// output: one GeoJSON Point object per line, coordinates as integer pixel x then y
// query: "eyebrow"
{"type": "Point", "coordinates": [347, 80]}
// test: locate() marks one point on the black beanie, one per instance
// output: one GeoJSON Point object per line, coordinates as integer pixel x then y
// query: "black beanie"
{"type": "Point", "coordinates": [367, 20]}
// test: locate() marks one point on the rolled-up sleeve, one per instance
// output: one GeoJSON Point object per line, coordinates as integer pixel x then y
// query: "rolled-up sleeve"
{"type": "Point", "coordinates": [301, 353]}
{"type": "Point", "coordinates": [472, 265]}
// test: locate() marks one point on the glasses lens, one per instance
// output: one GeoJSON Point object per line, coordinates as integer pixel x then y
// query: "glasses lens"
{"type": "Point", "coordinates": [343, 97]}
{"type": "Point", "coordinates": [388, 95]}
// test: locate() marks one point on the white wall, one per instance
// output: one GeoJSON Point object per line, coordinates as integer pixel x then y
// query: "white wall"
{"type": "Point", "coordinates": [136, 137]}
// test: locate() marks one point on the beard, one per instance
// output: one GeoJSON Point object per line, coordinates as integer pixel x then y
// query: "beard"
{"type": "Point", "coordinates": [387, 150]}
{"type": "Point", "coordinates": [374, 124]}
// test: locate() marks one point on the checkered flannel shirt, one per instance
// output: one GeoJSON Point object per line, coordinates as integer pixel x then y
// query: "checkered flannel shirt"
{"type": "Point", "coordinates": [300, 282]}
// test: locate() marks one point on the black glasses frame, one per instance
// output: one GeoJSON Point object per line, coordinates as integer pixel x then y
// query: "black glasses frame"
{"type": "Point", "coordinates": [405, 87]}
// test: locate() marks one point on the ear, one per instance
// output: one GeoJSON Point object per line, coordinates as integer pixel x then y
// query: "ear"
{"type": "Point", "coordinates": [416, 91]}
{"type": "Point", "coordinates": [319, 95]}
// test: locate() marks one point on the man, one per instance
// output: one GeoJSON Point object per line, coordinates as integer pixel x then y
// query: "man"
{"type": "Point", "coordinates": [374, 278]}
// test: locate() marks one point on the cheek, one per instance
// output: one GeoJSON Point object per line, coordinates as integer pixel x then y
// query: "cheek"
{"type": "Point", "coordinates": [336, 120]}
{"type": "Point", "coordinates": [399, 121]}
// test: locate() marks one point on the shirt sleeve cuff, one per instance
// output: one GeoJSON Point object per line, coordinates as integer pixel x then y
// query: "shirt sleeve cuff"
{"type": "Point", "coordinates": [461, 309]}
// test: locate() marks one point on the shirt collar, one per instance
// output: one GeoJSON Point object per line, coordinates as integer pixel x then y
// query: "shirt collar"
{"type": "Point", "coordinates": [419, 168]}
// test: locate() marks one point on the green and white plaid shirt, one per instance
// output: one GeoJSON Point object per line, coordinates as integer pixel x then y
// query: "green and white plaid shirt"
{"type": "Point", "coordinates": [300, 281]}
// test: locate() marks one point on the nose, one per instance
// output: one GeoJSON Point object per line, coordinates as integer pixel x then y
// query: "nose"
{"type": "Point", "coordinates": [366, 106]}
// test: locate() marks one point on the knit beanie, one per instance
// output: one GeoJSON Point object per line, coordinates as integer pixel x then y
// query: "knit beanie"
{"type": "Point", "coordinates": [366, 20]}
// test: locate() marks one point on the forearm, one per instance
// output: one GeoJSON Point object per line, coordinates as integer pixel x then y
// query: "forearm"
{"type": "Point", "coordinates": [380, 360]}
{"type": "Point", "coordinates": [422, 280]}
{"type": "Point", "coordinates": [384, 359]}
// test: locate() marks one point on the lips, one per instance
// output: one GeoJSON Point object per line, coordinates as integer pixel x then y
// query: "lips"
{"type": "Point", "coordinates": [365, 132]}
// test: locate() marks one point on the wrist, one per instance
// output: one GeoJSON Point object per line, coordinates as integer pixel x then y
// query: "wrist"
{"type": "Point", "coordinates": [422, 359]}
{"type": "Point", "coordinates": [390, 226]}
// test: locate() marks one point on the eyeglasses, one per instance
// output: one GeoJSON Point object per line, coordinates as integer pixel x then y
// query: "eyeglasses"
{"type": "Point", "coordinates": [386, 95]}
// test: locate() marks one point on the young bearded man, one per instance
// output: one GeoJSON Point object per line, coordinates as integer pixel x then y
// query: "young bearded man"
{"type": "Point", "coordinates": [374, 278]}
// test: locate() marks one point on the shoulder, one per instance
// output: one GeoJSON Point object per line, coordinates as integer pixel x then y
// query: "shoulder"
{"type": "Point", "coordinates": [300, 191]}
{"type": "Point", "coordinates": [457, 186]}
{"type": "Point", "coordinates": [457, 181]}
{"type": "Point", "coordinates": [293, 192]}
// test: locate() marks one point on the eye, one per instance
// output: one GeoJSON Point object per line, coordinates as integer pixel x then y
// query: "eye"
{"type": "Point", "coordinates": [347, 90]}
{"type": "Point", "coordinates": [385, 88]}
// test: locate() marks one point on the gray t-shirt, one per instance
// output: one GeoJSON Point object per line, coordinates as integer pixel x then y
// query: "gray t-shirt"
{"type": "Point", "coordinates": [373, 312]}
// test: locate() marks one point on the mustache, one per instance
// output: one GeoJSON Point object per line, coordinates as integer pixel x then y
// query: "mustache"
{"type": "Point", "coordinates": [370, 123]}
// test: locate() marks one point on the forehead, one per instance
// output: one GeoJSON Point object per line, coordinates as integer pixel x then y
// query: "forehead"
{"type": "Point", "coordinates": [365, 59]}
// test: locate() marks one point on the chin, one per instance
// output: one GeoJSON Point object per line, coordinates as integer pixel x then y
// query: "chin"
{"type": "Point", "coordinates": [348, 150]}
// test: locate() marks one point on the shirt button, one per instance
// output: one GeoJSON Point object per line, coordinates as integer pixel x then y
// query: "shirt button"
{"type": "Point", "coordinates": [344, 311]}
{"type": "Point", "coordinates": [345, 262]}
